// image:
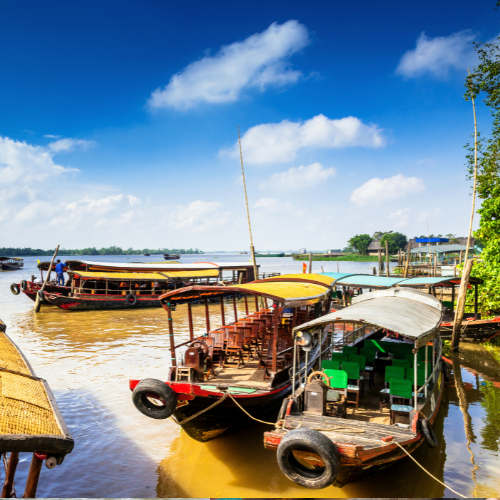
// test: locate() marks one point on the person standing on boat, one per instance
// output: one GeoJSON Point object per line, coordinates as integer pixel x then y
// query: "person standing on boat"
{"type": "Point", "coordinates": [60, 272]}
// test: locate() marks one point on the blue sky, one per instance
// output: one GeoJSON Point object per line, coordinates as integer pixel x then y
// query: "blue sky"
{"type": "Point", "coordinates": [119, 121]}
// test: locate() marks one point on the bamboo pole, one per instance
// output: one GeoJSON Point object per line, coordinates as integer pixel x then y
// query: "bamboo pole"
{"type": "Point", "coordinates": [8, 485]}
{"type": "Point", "coordinates": [387, 257]}
{"type": "Point", "coordinates": [408, 259]}
{"type": "Point", "coordinates": [190, 321]}
{"type": "Point", "coordinates": [252, 249]}
{"type": "Point", "coordinates": [171, 336]}
{"type": "Point", "coordinates": [37, 300]}
{"type": "Point", "coordinates": [223, 316]}
{"type": "Point", "coordinates": [475, 179]}
{"type": "Point", "coordinates": [462, 296]}
{"type": "Point", "coordinates": [310, 262]}
{"type": "Point", "coordinates": [207, 316]}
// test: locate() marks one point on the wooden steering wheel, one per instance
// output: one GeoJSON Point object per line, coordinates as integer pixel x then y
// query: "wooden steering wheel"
{"type": "Point", "coordinates": [199, 344]}
{"type": "Point", "coordinates": [316, 376]}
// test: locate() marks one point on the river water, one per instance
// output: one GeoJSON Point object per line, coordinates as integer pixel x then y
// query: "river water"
{"type": "Point", "coordinates": [88, 357]}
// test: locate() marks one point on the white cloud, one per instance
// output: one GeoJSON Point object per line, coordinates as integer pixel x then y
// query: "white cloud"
{"type": "Point", "coordinates": [198, 216]}
{"type": "Point", "coordinates": [259, 61]}
{"type": "Point", "coordinates": [437, 56]}
{"type": "Point", "coordinates": [279, 142]}
{"type": "Point", "coordinates": [265, 203]}
{"type": "Point", "coordinates": [299, 177]}
{"type": "Point", "coordinates": [50, 136]}
{"type": "Point", "coordinates": [69, 144]}
{"type": "Point", "coordinates": [22, 163]}
{"type": "Point", "coordinates": [377, 190]}
{"type": "Point", "coordinates": [133, 200]}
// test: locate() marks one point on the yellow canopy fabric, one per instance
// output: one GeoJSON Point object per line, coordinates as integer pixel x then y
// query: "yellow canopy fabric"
{"type": "Point", "coordinates": [163, 276]}
{"type": "Point", "coordinates": [288, 290]}
{"type": "Point", "coordinates": [304, 277]}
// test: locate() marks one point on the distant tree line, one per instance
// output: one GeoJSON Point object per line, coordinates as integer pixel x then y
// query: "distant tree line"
{"type": "Point", "coordinates": [396, 241]}
{"type": "Point", "coordinates": [114, 250]}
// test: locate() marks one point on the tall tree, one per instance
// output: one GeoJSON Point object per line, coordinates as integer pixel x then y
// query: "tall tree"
{"type": "Point", "coordinates": [360, 242]}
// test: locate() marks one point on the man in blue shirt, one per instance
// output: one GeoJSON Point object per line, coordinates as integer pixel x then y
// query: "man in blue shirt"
{"type": "Point", "coordinates": [60, 272]}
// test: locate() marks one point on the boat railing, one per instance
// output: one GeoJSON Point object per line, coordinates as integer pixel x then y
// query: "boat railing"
{"type": "Point", "coordinates": [263, 276]}
{"type": "Point", "coordinates": [436, 366]}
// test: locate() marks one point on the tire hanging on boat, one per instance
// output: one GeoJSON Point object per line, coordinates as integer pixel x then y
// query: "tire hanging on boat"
{"type": "Point", "coordinates": [24, 285]}
{"type": "Point", "coordinates": [311, 441]}
{"type": "Point", "coordinates": [14, 288]}
{"type": "Point", "coordinates": [429, 434]}
{"type": "Point", "coordinates": [154, 398]}
{"type": "Point", "coordinates": [131, 299]}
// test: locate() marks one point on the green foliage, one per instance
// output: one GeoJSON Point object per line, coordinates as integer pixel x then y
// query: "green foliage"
{"type": "Point", "coordinates": [397, 241]}
{"type": "Point", "coordinates": [113, 250]}
{"type": "Point", "coordinates": [360, 242]}
{"type": "Point", "coordinates": [484, 81]}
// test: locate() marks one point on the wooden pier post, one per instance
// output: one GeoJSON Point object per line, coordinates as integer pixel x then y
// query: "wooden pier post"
{"type": "Point", "coordinates": [235, 309]}
{"type": "Point", "coordinates": [33, 476]}
{"type": "Point", "coordinates": [387, 257]}
{"type": "Point", "coordinates": [8, 484]}
{"type": "Point", "coordinates": [408, 259]}
{"type": "Point", "coordinates": [207, 316]}
{"type": "Point", "coordinates": [379, 261]}
{"type": "Point", "coordinates": [256, 303]}
{"type": "Point", "coordinates": [310, 262]}
{"type": "Point", "coordinates": [171, 336]}
{"type": "Point", "coordinates": [190, 320]}
{"type": "Point", "coordinates": [37, 299]}
{"type": "Point", "coordinates": [275, 338]}
{"type": "Point", "coordinates": [246, 305]}
{"type": "Point", "coordinates": [462, 296]}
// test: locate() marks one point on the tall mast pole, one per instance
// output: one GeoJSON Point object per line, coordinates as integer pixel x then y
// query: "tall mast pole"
{"type": "Point", "coordinates": [252, 249]}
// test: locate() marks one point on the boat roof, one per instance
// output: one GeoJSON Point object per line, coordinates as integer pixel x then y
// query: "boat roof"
{"type": "Point", "coordinates": [30, 420]}
{"type": "Point", "coordinates": [413, 314]}
{"type": "Point", "coordinates": [164, 276]}
{"type": "Point", "coordinates": [440, 281]}
{"type": "Point", "coordinates": [319, 279]}
{"type": "Point", "coordinates": [10, 258]}
{"type": "Point", "coordinates": [287, 294]}
{"type": "Point", "coordinates": [368, 281]}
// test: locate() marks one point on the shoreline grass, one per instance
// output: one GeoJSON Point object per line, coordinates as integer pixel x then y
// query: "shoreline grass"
{"type": "Point", "coordinates": [350, 257]}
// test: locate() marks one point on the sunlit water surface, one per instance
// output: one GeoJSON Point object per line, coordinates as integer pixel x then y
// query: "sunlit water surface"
{"type": "Point", "coordinates": [88, 357]}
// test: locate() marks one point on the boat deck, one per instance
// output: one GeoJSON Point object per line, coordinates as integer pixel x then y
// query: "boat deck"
{"type": "Point", "coordinates": [247, 376]}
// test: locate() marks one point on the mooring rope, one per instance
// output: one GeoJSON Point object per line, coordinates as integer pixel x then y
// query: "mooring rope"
{"type": "Point", "coordinates": [204, 410]}
{"type": "Point", "coordinates": [253, 418]}
{"type": "Point", "coordinates": [425, 470]}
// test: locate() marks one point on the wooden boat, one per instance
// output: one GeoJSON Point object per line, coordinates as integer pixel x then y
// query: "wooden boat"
{"type": "Point", "coordinates": [270, 254]}
{"type": "Point", "coordinates": [30, 420]}
{"type": "Point", "coordinates": [171, 256]}
{"type": "Point", "coordinates": [238, 367]}
{"type": "Point", "coordinates": [11, 263]}
{"type": "Point", "coordinates": [323, 435]}
{"type": "Point", "coordinates": [113, 290]}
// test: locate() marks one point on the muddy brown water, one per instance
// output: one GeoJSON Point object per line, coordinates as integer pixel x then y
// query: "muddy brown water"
{"type": "Point", "coordinates": [88, 357]}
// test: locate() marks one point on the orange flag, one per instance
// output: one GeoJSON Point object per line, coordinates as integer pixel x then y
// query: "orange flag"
{"type": "Point", "coordinates": [304, 267]}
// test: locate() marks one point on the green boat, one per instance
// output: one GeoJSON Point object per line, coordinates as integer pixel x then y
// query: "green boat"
{"type": "Point", "coordinates": [268, 254]}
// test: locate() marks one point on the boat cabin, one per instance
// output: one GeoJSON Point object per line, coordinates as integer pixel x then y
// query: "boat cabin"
{"type": "Point", "coordinates": [11, 263]}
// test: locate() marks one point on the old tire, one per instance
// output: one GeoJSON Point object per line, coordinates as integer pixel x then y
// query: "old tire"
{"type": "Point", "coordinates": [14, 288]}
{"type": "Point", "coordinates": [154, 398]}
{"type": "Point", "coordinates": [429, 434]}
{"type": "Point", "coordinates": [131, 299]}
{"type": "Point", "coordinates": [24, 285]}
{"type": "Point", "coordinates": [308, 440]}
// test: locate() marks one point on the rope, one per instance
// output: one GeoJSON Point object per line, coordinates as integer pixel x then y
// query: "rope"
{"type": "Point", "coordinates": [425, 470]}
{"type": "Point", "coordinates": [204, 410]}
{"type": "Point", "coordinates": [244, 411]}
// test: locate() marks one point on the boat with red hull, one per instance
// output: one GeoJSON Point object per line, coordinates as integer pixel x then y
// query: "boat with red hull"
{"type": "Point", "coordinates": [240, 370]}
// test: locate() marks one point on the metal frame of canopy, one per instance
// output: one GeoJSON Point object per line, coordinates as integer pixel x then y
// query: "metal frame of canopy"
{"type": "Point", "coordinates": [397, 309]}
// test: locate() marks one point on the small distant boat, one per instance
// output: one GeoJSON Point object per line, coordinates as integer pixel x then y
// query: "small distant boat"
{"type": "Point", "coordinates": [171, 256]}
{"type": "Point", "coordinates": [270, 254]}
{"type": "Point", "coordinates": [243, 253]}
{"type": "Point", "coordinates": [11, 263]}
{"type": "Point", "coordinates": [147, 254]}
{"type": "Point", "coordinates": [31, 421]}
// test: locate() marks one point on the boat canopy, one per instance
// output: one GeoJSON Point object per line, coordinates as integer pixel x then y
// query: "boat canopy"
{"type": "Point", "coordinates": [368, 281]}
{"type": "Point", "coordinates": [287, 294]}
{"type": "Point", "coordinates": [319, 279]}
{"type": "Point", "coordinates": [442, 281]}
{"type": "Point", "coordinates": [165, 276]}
{"type": "Point", "coordinates": [29, 418]}
{"type": "Point", "coordinates": [411, 313]}
{"type": "Point", "coordinates": [9, 258]}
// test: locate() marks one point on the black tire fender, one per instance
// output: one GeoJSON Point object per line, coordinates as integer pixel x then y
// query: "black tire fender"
{"type": "Point", "coordinates": [428, 433]}
{"type": "Point", "coordinates": [131, 299]}
{"type": "Point", "coordinates": [14, 288]}
{"type": "Point", "coordinates": [151, 389]}
{"type": "Point", "coordinates": [313, 441]}
{"type": "Point", "coordinates": [24, 285]}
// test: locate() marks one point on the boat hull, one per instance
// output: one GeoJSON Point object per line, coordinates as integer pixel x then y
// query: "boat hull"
{"type": "Point", "coordinates": [32, 289]}
{"type": "Point", "coordinates": [99, 302]}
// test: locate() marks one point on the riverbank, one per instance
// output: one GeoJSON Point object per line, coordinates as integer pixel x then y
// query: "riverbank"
{"type": "Point", "coordinates": [344, 258]}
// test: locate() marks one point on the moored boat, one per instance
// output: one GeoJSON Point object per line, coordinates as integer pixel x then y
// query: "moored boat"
{"type": "Point", "coordinates": [30, 420]}
{"type": "Point", "coordinates": [238, 369]}
{"type": "Point", "coordinates": [334, 431]}
{"type": "Point", "coordinates": [171, 256]}
{"type": "Point", "coordinates": [11, 263]}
